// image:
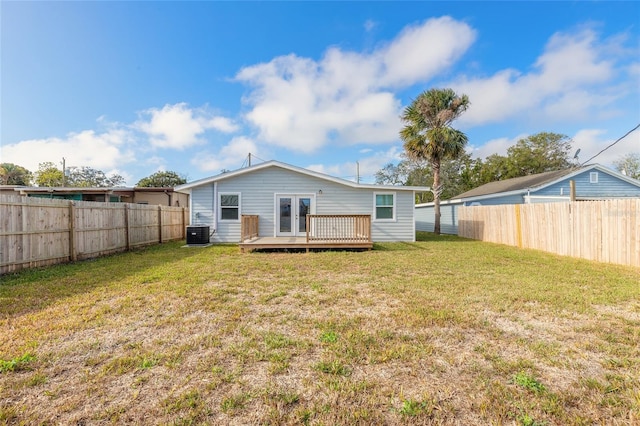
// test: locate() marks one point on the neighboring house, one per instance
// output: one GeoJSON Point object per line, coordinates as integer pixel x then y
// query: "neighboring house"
{"type": "Point", "coordinates": [152, 196]}
{"type": "Point", "coordinates": [592, 182]}
{"type": "Point", "coordinates": [281, 195]}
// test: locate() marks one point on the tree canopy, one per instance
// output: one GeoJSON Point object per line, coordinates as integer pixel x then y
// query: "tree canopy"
{"type": "Point", "coordinates": [162, 179]}
{"type": "Point", "coordinates": [77, 177]}
{"type": "Point", "coordinates": [88, 177]}
{"type": "Point", "coordinates": [12, 174]}
{"type": "Point", "coordinates": [48, 175]}
{"type": "Point", "coordinates": [456, 175]}
{"type": "Point", "coordinates": [629, 165]}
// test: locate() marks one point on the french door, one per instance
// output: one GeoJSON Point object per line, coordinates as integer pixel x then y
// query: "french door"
{"type": "Point", "coordinates": [291, 214]}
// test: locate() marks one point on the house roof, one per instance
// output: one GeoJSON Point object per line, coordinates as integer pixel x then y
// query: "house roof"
{"type": "Point", "coordinates": [536, 182]}
{"type": "Point", "coordinates": [267, 164]}
{"type": "Point", "coordinates": [515, 184]}
{"type": "Point", "coordinates": [521, 185]}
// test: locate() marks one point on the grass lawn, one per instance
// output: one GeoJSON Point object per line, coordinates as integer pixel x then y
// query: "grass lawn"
{"type": "Point", "coordinates": [442, 331]}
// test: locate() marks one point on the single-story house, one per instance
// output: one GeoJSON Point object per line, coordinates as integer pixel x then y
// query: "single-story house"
{"type": "Point", "coordinates": [593, 182]}
{"type": "Point", "coordinates": [281, 196]}
{"type": "Point", "coordinates": [136, 195]}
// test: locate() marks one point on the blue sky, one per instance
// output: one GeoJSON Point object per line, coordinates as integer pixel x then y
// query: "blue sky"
{"type": "Point", "coordinates": [193, 87]}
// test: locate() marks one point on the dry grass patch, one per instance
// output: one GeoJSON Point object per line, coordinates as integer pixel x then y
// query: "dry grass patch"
{"type": "Point", "coordinates": [441, 331]}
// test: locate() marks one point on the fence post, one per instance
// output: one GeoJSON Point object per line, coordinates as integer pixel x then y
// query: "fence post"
{"type": "Point", "coordinates": [572, 190]}
{"type": "Point", "coordinates": [518, 226]}
{"type": "Point", "coordinates": [73, 255]}
{"type": "Point", "coordinates": [126, 227]}
{"type": "Point", "coordinates": [160, 224]}
{"type": "Point", "coordinates": [184, 225]}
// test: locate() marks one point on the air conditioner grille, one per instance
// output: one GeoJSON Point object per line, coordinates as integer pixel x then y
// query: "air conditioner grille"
{"type": "Point", "coordinates": [197, 235]}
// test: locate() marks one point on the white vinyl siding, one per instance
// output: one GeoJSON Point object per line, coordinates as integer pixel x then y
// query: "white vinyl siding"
{"type": "Point", "coordinates": [202, 206]}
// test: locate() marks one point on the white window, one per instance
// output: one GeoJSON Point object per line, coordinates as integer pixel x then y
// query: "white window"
{"type": "Point", "coordinates": [229, 206]}
{"type": "Point", "coordinates": [385, 206]}
{"type": "Point", "coordinates": [593, 177]}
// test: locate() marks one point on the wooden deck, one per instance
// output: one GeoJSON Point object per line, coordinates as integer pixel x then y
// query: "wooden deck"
{"type": "Point", "coordinates": [283, 243]}
{"type": "Point", "coordinates": [333, 231]}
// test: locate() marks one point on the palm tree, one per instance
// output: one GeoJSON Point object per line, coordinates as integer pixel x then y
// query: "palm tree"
{"type": "Point", "coordinates": [428, 134]}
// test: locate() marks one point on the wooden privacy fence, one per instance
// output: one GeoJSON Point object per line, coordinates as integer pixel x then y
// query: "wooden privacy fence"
{"type": "Point", "coordinates": [605, 231]}
{"type": "Point", "coordinates": [38, 232]}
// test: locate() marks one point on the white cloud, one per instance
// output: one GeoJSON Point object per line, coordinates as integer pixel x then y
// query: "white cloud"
{"type": "Point", "coordinates": [494, 146]}
{"type": "Point", "coordinates": [367, 166]}
{"type": "Point", "coordinates": [592, 141]}
{"type": "Point", "coordinates": [302, 104]}
{"type": "Point", "coordinates": [159, 162]}
{"type": "Point", "coordinates": [423, 51]}
{"type": "Point", "coordinates": [178, 126]}
{"type": "Point", "coordinates": [571, 79]}
{"type": "Point", "coordinates": [229, 157]}
{"type": "Point", "coordinates": [129, 179]}
{"type": "Point", "coordinates": [101, 151]}
{"type": "Point", "coordinates": [222, 124]}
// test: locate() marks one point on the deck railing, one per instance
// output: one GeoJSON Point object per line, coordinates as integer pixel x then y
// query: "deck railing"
{"type": "Point", "coordinates": [249, 227]}
{"type": "Point", "coordinates": [338, 228]}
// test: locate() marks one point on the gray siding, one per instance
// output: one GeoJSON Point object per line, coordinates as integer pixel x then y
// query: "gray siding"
{"type": "Point", "coordinates": [425, 217]}
{"type": "Point", "coordinates": [607, 186]}
{"type": "Point", "coordinates": [258, 190]}
{"type": "Point", "coordinates": [506, 199]}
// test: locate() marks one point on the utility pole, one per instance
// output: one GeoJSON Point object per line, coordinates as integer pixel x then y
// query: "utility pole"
{"type": "Point", "coordinates": [64, 172]}
{"type": "Point", "coordinates": [249, 159]}
{"type": "Point", "coordinates": [357, 172]}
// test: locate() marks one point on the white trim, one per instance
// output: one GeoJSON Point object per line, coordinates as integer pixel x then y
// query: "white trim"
{"type": "Point", "coordinates": [530, 199]}
{"type": "Point", "coordinates": [294, 200]}
{"type": "Point", "coordinates": [214, 210]}
{"type": "Point", "coordinates": [393, 207]}
{"type": "Point", "coordinates": [219, 201]}
{"type": "Point", "coordinates": [593, 177]}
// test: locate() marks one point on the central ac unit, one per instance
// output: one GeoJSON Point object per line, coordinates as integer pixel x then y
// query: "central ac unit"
{"type": "Point", "coordinates": [198, 234]}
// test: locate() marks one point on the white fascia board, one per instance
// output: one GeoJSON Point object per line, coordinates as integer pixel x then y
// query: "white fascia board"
{"type": "Point", "coordinates": [442, 203]}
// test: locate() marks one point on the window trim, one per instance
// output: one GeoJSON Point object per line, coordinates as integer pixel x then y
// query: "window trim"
{"type": "Point", "coordinates": [393, 207]}
{"type": "Point", "coordinates": [220, 218]}
{"type": "Point", "coordinates": [593, 177]}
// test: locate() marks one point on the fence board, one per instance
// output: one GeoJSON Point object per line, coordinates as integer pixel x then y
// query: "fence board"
{"type": "Point", "coordinates": [605, 231]}
{"type": "Point", "coordinates": [38, 231]}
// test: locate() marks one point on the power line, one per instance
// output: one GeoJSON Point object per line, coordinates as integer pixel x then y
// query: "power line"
{"type": "Point", "coordinates": [619, 139]}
